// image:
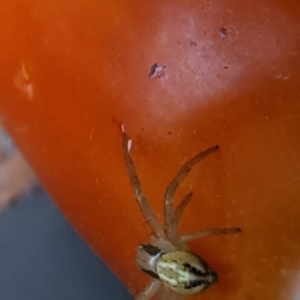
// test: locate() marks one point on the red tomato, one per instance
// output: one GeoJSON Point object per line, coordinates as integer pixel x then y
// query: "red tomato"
{"type": "Point", "coordinates": [72, 72]}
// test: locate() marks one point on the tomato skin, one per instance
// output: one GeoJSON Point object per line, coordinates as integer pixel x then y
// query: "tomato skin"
{"type": "Point", "coordinates": [72, 73]}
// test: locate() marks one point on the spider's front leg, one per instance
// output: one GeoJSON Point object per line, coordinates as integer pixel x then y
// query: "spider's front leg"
{"type": "Point", "coordinates": [172, 216]}
{"type": "Point", "coordinates": [208, 232]}
{"type": "Point", "coordinates": [142, 201]}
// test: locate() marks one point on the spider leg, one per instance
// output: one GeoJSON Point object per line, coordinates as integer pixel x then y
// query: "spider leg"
{"type": "Point", "coordinates": [178, 297]}
{"type": "Point", "coordinates": [208, 232]}
{"type": "Point", "coordinates": [167, 294]}
{"type": "Point", "coordinates": [150, 290]}
{"type": "Point", "coordinates": [172, 229]}
{"type": "Point", "coordinates": [142, 201]}
{"type": "Point", "coordinates": [179, 177]}
{"type": "Point", "coordinates": [164, 293]}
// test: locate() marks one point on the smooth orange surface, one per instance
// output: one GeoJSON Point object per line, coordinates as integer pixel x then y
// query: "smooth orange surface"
{"type": "Point", "coordinates": [73, 71]}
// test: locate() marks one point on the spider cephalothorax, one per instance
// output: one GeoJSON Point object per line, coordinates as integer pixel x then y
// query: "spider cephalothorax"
{"type": "Point", "coordinates": [177, 272]}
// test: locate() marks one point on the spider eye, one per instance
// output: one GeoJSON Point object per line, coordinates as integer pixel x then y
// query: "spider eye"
{"type": "Point", "coordinates": [185, 272]}
{"type": "Point", "coordinates": [147, 256]}
{"type": "Point", "coordinates": [151, 250]}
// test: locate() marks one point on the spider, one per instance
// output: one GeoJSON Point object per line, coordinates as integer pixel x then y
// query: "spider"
{"type": "Point", "coordinates": [176, 271]}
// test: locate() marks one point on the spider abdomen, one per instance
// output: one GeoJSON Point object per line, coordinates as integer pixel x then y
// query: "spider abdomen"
{"type": "Point", "coordinates": [185, 272]}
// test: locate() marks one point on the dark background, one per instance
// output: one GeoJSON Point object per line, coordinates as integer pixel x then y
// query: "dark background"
{"type": "Point", "coordinates": [43, 258]}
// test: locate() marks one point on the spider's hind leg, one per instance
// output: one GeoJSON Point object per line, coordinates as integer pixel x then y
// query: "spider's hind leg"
{"type": "Point", "coordinates": [150, 290]}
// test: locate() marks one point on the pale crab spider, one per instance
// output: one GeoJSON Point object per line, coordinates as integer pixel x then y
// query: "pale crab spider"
{"type": "Point", "coordinates": [177, 272]}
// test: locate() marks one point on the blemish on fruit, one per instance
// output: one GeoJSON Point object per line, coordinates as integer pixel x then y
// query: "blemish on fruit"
{"type": "Point", "coordinates": [157, 71]}
{"type": "Point", "coordinates": [23, 81]}
{"type": "Point", "coordinates": [223, 32]}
